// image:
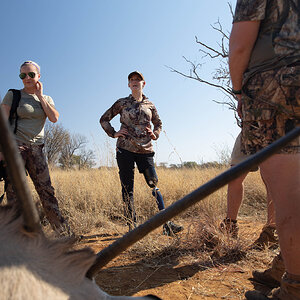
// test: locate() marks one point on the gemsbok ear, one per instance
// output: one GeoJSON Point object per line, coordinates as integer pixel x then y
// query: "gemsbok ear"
{"type": "Point", "coordinates": [17, 176]}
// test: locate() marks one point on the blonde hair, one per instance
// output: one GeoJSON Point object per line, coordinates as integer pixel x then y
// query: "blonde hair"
{"type": "Point", "coordinates": [30, 62]}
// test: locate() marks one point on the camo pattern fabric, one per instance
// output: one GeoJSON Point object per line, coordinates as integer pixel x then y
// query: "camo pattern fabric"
{"type": "Point", "coordinates": [37, 168]}
{"type": "Point", "coordinates": [278, 41]}
{"type": "Point", "coordinates": [135, 116]}
{"type": "Point", "coordinates": [279, 19]}
{"type": "Point", "coordinates": [271, 108]}
{"type": "Point", "coordinates": [249, 10]}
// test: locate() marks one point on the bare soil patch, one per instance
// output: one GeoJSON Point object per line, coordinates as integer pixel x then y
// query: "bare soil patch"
{"type": "Point", "coordinates": [181, 273]}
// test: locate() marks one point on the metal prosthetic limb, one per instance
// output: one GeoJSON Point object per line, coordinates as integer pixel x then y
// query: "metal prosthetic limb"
{"type": "Point", "coordinates": [158, 197]}
{"type": "Point", "coordinates": [169, 228]}
{"type": "Point", "coordinates": [152, 180]}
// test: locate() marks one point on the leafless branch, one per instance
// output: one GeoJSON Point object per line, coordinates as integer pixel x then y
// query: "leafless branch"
{"type": "Point", "coordinates": [221, 77]}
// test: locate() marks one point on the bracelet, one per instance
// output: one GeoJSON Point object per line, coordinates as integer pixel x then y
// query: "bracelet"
{"type": "Point", "coordinates": [236, 92]}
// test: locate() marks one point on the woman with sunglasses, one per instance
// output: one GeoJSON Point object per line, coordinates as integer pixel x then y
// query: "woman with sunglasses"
{"type": "Point", "coordinates": [134, 145]}
{"type": "Point", "coordinates": [33, 110]}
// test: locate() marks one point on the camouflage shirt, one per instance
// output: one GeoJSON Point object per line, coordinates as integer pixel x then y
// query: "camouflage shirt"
{"type": "Point", "coordinates": [135, 116]}
{"type": "Point", "coordinates": [278, 41]}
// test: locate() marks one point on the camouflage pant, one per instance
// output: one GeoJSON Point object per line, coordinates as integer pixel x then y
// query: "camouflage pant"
{"type": "Point", "coordinates": [37, 168]}
{"type": "Point", "coordinates": [271, 108]}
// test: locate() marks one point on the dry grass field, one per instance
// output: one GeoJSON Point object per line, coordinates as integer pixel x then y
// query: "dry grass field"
{"type": "Point", "coordinates": [92, 198]}
{"type": "Point", "coordinates": [200, 263]}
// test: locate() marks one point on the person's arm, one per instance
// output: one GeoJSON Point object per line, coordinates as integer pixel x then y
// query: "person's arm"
{"type": "Point", "coordinates": [49, 110]}
{"type": "Point", "coordinates": [108, 116]}
{"type": "Point", "coordinates": [242, 39]}
{"type": "Point", "coordinates": [157, 125]}
{"type": "Point", "coordinates": [5, 110]}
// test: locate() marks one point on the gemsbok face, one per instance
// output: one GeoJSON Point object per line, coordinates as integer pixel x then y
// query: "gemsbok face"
{"type": "Point", "coordinates": [34, 267]}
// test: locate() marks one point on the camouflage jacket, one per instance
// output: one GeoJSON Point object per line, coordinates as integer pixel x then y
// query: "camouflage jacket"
{"type": "Point", "coordinates": [135, 116]}
{"type": "Point", "coordinates": [278, 41]}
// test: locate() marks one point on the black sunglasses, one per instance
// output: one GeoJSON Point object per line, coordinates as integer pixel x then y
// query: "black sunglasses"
{"type": "Point", "coordinates": [30, 74]}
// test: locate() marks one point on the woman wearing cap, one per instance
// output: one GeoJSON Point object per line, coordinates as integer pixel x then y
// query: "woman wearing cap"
{"type": "Point", "coordinates": [134, 144]}
{"type": "Point", "coordinates": [28, 125]}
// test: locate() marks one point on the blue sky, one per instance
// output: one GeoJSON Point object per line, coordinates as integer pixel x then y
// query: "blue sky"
{"type": "Point", "coordinates": [86, 49]}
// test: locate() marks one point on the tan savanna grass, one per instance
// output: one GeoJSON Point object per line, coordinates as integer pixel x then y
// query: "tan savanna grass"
{"type": "Point", "coordinates": [91, 200]}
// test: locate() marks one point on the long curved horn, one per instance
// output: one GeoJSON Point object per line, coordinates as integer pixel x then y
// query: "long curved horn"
{"type": "Point", "coordinates": [16, 172]}
{"type": "Point", "coordinates": [110, 252]}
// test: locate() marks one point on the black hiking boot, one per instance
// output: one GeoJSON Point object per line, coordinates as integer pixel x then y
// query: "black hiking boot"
{"type": "Point", "coordinates": [170, 228]}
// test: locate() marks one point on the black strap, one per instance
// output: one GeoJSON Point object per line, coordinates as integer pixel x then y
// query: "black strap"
{"type": "Point", "coordinates": [14, 106]}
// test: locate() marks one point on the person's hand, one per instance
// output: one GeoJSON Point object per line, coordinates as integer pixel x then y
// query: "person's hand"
{"type": "Point", "coordinates": [39, 89]}
{"type": "Point", "coordinates": [151, 134]}
{"type": "Point", "coordinates": [121, 133]}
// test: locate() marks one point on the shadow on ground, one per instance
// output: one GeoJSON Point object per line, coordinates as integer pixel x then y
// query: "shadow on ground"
{"type": "Point", "coordinates": [155, 271]}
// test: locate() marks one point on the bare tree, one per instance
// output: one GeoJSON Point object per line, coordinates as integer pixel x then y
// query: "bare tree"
{"type": "Point", "coordinates": [66, 149]}
{"type": "Point", "coordinates": [86, 159]}
{"type": "Point", "coordinates": [56, 138]}
{"type": "Point", "coordinates": [74, 142]}
{"type": "Point", "coordinates": [220, 78]}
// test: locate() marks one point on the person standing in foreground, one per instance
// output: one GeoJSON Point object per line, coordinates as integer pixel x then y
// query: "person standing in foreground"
{"type": "Point", "coordinates": [264, 63]}
{"type": "Point", "coordinates": [33, 109]}
{"type": "Point", "coordinates": [134, 145]}
{"type": "Point", "coordinates": [235, 191]}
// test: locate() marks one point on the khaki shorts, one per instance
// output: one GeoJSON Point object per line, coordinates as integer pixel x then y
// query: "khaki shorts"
{"type": "Point", "coordinates": [271, 108]}
{"type": "Point", "coordinates": [237, 156]}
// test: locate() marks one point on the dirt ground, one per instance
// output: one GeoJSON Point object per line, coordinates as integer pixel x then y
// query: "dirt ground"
{"type": "Point", "coordinates": [178, 276]}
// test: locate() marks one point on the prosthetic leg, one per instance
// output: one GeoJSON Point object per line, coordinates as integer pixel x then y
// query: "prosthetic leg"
{"type": "Point", "coordinates": [151, 178]}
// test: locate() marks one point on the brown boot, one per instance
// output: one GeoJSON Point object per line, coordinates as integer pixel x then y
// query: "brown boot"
{"type": "Point", "coordinates": [267, 238]}
{"type": "Point", "coordinates": [272, 276]}
{"type": "Point", "coordinates": [289, 290]}
{"type": "Point", "coordinates": [230, 227]}
{"type": "Point", "coordinates": [256, 295]}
